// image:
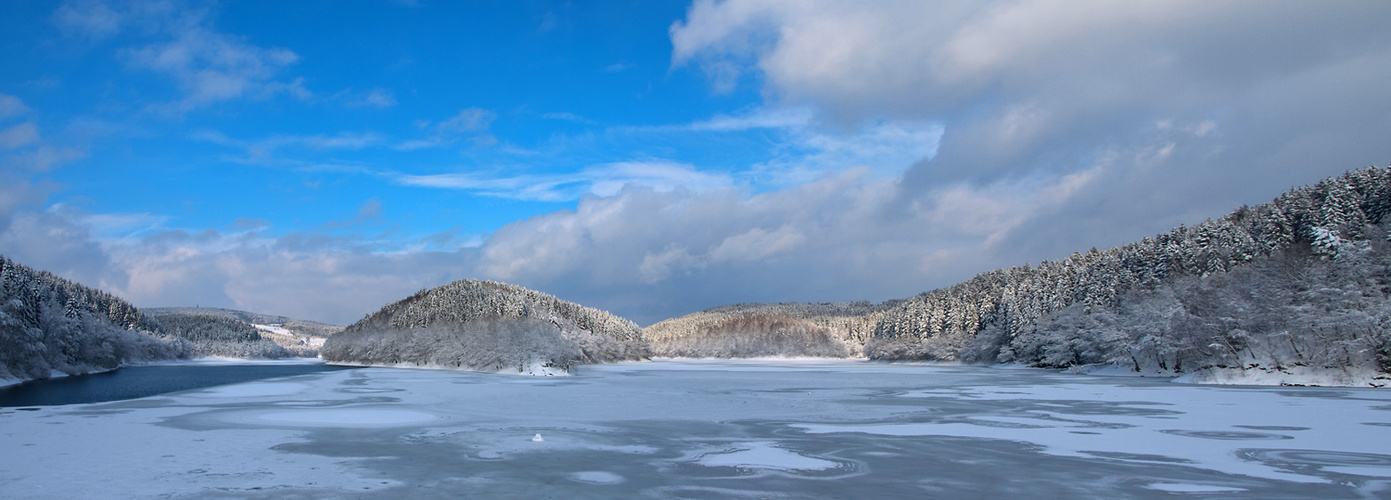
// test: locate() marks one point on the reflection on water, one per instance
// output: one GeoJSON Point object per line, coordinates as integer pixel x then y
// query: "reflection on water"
{"type": "Point", "coordinates": [142, 381]}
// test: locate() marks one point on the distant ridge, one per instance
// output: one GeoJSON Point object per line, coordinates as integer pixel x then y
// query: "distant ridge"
{"type": "Point", "coordinates": [831, 329]}
{"type": "Point", "coordinates": [299, 327]}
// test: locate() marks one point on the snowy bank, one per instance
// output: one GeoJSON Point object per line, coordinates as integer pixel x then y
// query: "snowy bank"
{"type": "Point", "coordinates": [534, 368]}
{"type": "Point", "coordinates": [1253, 375]}
{"type": "Point", "coordinates": [1290, 375]}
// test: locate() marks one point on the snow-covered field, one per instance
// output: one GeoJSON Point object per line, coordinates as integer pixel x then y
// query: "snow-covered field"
{"type": "Point", "coordinates": [708, 429]}
{"type": "Point", "coordinates": [278, 330]}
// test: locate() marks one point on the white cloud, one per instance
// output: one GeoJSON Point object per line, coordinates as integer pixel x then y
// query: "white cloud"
{"type": "Point", "coordinates": [93, 19]}
{"type": "Point", "coordinates": [264, 150]}
{"type": "Point", "coordinates": [121, 225]}
{"type": "Point", "coordinates": [377, 97]}
{"type": "Point", "coordinates": [211, 67]}
{"type": "Point", "coordinates": [601, 180]}
{"type": "Point", "coordinates": [1046, 89]}
{"type": "Point", "coordinates": [41, 159]}
{"type": "Point", "coordinates": [472, 123]}
{"type": "Point", "coordinates": [569, 117]}
{"type": "Point", "coordinates": [19, 135]}
{"type": "Point", "coordinates": [207, 66]}
{"type": "Point", "coordinates": [11, 106]}
{"type": "Point", "coordinates": [777, 118]}
{"type": "Point", "coordinates": [757, 244]}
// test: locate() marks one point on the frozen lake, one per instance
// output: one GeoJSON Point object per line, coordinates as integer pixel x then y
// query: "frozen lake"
{"type": "Point", "coordinates": [716, 429]}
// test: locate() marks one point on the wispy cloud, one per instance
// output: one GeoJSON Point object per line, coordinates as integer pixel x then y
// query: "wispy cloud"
{"type": "Point", "coordinates": [11, 106]}
{"type": "Point", "coordinates": [569, 117]}
{"type": "Point", "coordinates": [371, 210]}
{"type": "Point", "coordinates": [375, 98]}
{"type": "Point", "coordinates": [770, 118]}
{"type": "Point", "coordinates": [601, 180]}
{"type": "Point", "coordinates": [19, 135]}
{"type": "Point", "coordinates": [264, 150]}
{"type": "Point", "coordinates": [120, 226]}
{"type": "Point", "coordinates": [207, 66]}
{"type": "Point", "coordinates": [89, 18]}
{"type": "Point", "coordinates": [471, 123]}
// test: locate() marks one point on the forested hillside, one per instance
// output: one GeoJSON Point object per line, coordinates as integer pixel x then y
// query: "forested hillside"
{"type": "Point", "coordinates": [300, 328]}
{"type": "Point", "coordinates": [48, 323]}
{"type": "Point", "coordinates": [761, 330]}
{"type": "Point", "coordinates": [1302, 282]}
{"type": "Point", "coordinates": [1173, 295]}
{"type": "Point", "coordinates": [484, 325]}
{"type": "Point", "coordinates": [224, 336]}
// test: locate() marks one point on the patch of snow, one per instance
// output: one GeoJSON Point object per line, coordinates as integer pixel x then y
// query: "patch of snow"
{"type": "Point", "coordinates": [275, 329]}
{"type": "Point", "coordinates": [1192, 488]}
{"type": "Point", "coordinates": [1109, 370]}
{"type": "Point", "coordinates": [764, 455]}
{"type": "Point", "coordinates": [597, 477]}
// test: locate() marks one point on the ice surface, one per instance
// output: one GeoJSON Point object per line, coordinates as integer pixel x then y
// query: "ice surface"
{"type": "Point", "coordinates": [264, 389]}
{"type": "Point", "coordinates": [352, 417]}
{"type": "Point", "coordinates": [701, 428]}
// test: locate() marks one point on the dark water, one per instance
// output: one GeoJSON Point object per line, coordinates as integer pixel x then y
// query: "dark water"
{"type": "Point", "coordinates": [142, 381]}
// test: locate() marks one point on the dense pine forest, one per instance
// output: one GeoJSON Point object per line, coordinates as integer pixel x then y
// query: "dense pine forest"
{"type": "Point", "coordinates": [51, 324]}
{"type": "Point", "coordinates": [1302, 281]}
{"type": "Point", "coordinates": [484, 325]}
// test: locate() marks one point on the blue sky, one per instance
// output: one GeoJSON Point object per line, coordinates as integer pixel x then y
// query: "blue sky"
{"type": "Point", "coordinates": [320, 159]}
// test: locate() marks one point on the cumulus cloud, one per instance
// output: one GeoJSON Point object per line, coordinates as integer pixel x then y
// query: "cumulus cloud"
{"type": "Point", "coordinates": [306, 275]}
{"type": "Point", "coordinates": [1253, 98]}
{"type": "Point", "coordinates": [654, 254]}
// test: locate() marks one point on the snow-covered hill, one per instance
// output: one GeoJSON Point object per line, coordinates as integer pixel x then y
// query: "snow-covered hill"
{"type": "Point", "coordinates": [487, 326]}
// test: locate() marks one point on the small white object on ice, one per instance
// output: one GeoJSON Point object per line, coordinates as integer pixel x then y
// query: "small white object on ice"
{"type": "Point", "coordinates": [537, 438]}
